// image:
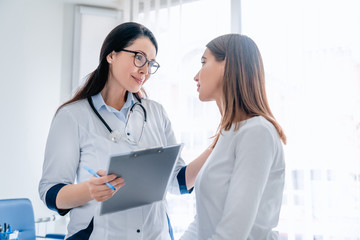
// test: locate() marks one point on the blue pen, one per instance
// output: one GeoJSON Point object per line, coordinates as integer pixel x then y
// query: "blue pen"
{"type": "Point", "coordinates": [97, 175]}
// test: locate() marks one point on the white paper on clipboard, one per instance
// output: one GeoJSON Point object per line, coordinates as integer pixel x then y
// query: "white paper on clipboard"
{"type": "Point", "coordinates": [146, 173]}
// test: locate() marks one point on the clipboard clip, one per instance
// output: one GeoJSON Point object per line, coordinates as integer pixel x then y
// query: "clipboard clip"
{"type": "Point", "coordinates": [157, 149]}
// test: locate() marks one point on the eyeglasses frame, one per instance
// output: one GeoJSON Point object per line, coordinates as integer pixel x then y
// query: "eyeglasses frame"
{"type": "Point", "coordinates": [147, 60]}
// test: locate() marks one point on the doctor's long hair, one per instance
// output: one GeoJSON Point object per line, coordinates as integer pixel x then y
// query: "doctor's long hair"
{"type": "Point", "coordinates": [244, 92]}
{"type": "Point", "coordinates": [119, 38]}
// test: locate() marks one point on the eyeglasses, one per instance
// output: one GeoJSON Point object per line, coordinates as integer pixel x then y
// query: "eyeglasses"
{"type": "Point", "coordinates": [140, 60]}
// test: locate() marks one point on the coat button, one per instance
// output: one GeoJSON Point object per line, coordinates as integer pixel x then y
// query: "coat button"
{"type": "Point", "coordinates": [138, 230]}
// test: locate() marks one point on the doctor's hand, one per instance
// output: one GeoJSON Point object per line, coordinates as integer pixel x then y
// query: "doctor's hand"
{"type": "Point", "coordinates": [99, 190]}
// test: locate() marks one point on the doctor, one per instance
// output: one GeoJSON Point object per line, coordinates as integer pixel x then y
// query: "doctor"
{"type": "Point", "coordinates": [110, 115]}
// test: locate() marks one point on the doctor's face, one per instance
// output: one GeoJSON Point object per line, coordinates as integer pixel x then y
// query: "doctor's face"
{"type": "Point", "coordinates": [210, 78]}
{"type": "Point", "coordinates": [123, 72]}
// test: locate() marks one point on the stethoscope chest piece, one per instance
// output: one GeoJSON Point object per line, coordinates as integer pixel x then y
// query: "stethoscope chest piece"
{"type": "Point", "coordinates": [117, 135]}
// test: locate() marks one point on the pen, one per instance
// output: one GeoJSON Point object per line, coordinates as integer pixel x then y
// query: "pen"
{"type": "Point", "coordinates": [97, 175]}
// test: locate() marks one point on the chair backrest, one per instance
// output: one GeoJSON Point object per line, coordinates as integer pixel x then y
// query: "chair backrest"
{"type": "Point", "coordinates": [20, 215]}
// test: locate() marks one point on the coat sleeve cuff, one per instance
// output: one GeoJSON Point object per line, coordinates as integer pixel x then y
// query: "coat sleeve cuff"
{"type": "Point", "coordinates": [51, 199]}
{"type": "Point", "coordinates": [182, 181]}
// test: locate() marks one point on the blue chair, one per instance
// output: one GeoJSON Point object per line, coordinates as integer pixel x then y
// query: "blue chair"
{"type": "Point", "coordinates": [20, 215]}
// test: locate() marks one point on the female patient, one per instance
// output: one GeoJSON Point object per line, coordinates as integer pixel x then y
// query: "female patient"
{"type": "Point", "coordinates": [239, 189]}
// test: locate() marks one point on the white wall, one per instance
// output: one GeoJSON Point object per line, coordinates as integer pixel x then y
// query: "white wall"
{"type": "Point", "coordinates": [35, 78]}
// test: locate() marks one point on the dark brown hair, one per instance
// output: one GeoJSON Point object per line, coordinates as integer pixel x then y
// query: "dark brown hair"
{"type": "Point", "coordinates": [244, 92]}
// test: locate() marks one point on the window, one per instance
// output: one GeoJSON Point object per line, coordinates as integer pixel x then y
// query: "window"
{"type": "Point", "coordinates": [312, 64]}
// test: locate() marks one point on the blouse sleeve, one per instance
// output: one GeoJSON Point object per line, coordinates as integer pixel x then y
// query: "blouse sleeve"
{"type": "Point", "coordinates": [61, 161]}
{"type": "Point", "coordinates": [254, 154]}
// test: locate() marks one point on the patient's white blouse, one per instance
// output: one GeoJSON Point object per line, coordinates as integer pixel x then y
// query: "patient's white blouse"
{"type": "Point", "coordinates": [239, 189]}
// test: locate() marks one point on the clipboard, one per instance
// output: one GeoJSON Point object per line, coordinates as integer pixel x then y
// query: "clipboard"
{"type": "Point", "coordinates": [146, 173]}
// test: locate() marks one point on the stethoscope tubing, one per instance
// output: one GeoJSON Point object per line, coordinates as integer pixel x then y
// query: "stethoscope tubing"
{"type": "Point", "coordinates": [98, 114]}
{"type": "Point", "coordinates": [131, 109]}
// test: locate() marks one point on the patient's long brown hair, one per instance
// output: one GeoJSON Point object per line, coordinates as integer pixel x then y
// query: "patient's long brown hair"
{"type": "Point", "coordinates": [244, 92]}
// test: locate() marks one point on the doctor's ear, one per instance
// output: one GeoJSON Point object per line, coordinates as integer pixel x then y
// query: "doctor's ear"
{"type": "Point", "coordinates": [110, 57]}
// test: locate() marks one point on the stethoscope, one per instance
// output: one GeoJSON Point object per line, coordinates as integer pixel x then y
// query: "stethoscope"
{"type": "Point", "coordinates": [116, 135]}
